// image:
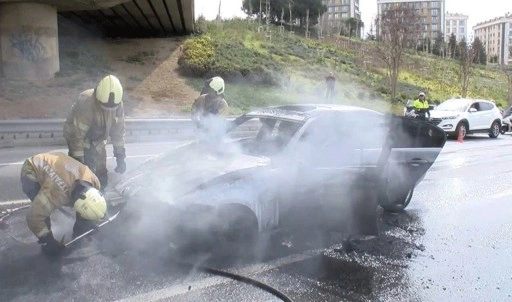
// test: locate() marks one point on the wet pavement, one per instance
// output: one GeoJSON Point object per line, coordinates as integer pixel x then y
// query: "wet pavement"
{"type": "Point", "coordinates": [453, 243]}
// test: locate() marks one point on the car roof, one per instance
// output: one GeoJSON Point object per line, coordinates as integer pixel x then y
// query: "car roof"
{"type": "Point", "coordinates": [469, 100]}
{"type": "Point", "coordinates": [302, 112]}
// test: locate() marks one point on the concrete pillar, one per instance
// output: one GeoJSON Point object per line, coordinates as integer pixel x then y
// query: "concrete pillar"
{"type": "Point", "coordinates": [29, 47]}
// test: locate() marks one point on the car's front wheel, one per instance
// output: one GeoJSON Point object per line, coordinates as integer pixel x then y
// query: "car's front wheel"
{"type": "Point", "coordinates": [461, 130]}
{"type": "Point", "coordinates": [494, 132]}
{"type": "Point", "coordinates": [237, 228]}
{"type": "Point", "coordinates": [397, 203]}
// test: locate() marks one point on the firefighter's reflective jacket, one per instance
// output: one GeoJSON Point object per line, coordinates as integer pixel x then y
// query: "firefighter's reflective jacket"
{"type": "Point", "coordinates": [207, 105]}
{"type": "Point", "coordinates": [89, 125]}
{"type": "Point", "coordinates": [56, 173]}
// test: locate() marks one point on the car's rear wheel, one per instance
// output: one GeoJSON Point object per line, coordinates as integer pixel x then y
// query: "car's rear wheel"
{"type": "Point", "coordinates": [494, 132]}
{"type": "Point", "coordinates": [397, 203]}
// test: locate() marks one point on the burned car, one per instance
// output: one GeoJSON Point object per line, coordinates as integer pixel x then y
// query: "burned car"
{"type": "Point", "coordinates": [302, 165]}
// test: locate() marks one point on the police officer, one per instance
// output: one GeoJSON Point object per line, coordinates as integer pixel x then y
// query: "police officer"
{"type": "Point", "coordinates": [53, 180]}
{"type": "Point", "coordinates": [97, 115]}
{"type": "Point", "coordinates": [421, 107]}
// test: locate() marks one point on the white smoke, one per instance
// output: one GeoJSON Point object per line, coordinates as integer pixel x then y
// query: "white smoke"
{"type": "Point", "coordinates": [284, 171]}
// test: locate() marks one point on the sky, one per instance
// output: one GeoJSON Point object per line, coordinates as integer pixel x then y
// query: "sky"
{"type": "Point", "coordinates": [368, 8]}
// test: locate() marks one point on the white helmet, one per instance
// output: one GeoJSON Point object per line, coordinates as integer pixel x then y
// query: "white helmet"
{"type": "Point", "coordinates": [422, 94]}
{"type": "Point", "coordinates": [217, 84]}
{"type": "Point", "coordinates": [109, 92]}
{"type": "Point", "coordinates": [91, 204]}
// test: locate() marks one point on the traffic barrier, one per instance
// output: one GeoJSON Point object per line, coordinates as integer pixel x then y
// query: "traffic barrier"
{"type": "Point", "coordinates": [25, 133]}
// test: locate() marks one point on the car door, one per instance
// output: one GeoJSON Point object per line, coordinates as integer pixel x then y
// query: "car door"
{"type": "Point", "coordinates": [476, 118]}
{"type": "Point", "coordinates": [487, 114]}
{"type": "Point", "coordinates": [410, 149]}
{"type": "Point", "coordinates": [320, 165]}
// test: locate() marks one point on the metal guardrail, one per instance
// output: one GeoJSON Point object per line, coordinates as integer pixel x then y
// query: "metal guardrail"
{"type": "Point", "coordinates": [18, 133]}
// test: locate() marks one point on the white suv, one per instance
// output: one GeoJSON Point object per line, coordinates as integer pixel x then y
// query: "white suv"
{"type": "Point", "coordinates": [466, 116]}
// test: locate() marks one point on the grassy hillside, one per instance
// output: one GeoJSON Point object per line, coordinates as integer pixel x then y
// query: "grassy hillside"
{"type": "Point", "coordinates": [287, 68]}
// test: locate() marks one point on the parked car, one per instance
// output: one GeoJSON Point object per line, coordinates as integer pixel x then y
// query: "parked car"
{"type": "Point", "coordinates": [295, 164]}
{"type": "Point", "coordinates": [466, 116]}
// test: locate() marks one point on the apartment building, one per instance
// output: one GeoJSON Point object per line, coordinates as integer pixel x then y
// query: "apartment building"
{"type": "Point", "coordinates": [338, 11]}
{"type": "Point", "coordinates": [456, 24]}
{"type": "Point", "coordinates": [430, 12]}
{"type": "Point", "coordinates": [496, 36]}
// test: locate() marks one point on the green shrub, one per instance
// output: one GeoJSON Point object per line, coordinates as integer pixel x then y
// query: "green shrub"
{"type": "Point", "coordinates": [232, 60]}
{"type": "Point", "coordinates": [197, 56]}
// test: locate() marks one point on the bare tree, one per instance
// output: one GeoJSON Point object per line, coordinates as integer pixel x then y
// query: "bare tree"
{"type": "Point", "coordinates": [467, 57]}
{"type": "Point", "coordinates": [397, 29]}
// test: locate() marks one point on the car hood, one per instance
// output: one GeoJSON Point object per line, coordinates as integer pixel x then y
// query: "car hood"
{"type": "Point", "coordinates": [444, 113]}
{"type": "Point", "coordinates": [181, 170]}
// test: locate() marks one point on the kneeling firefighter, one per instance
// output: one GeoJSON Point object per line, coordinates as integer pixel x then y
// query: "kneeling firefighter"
{"type": "Point", "coordinates": [53, 180]}
{"type": "Point", "coordinates": [97, 115]}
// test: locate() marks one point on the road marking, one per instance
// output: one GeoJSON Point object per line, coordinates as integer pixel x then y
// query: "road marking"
{"type": "Point", "coordinates": [18, 163]}
{"type": "Point", "coordinates": [11, 164]}
{"type": "Point", "coordinates": [14, 202]}
{"type": "Point", "coordinates": [187, 287]}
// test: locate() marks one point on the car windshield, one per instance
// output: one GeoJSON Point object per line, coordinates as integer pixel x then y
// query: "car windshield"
{"type": "Point", "coordinates": [453, 105]}
{"type": "Point", "coordinates": [263, 136]}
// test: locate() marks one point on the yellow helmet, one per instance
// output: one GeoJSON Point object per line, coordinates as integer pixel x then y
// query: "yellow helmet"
{"type": "Point", "coordinates": [217, 84]}
{"type": "Point", "coordinates": [109, 92]}
{"type": "Point", "coordinates": [91, 204]}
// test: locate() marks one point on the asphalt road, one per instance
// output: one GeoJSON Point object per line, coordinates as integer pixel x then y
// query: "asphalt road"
{"type": "Point", "coordinates": [453, 243]}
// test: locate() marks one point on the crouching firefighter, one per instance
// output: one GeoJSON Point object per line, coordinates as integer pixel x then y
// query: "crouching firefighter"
{"type": "Point", "coordinates": [97, 115]}
{"type": "Point", "coordinates": [54, 180]}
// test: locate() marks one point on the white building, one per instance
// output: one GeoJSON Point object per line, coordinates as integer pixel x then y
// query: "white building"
{"type": "Point", "coordinates": [456, 24]}
{"type": "Point", "coordinates": [496, 36]}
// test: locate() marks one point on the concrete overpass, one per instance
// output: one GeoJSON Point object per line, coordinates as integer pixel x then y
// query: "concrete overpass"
{"type": "Point", "coordinates": [29, 31]}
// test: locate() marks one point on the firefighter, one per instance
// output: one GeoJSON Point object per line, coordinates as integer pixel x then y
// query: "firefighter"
{"type": "Point", "coordinates": [97, 115]}
{"type": "Point", "coordinates": [53, 180]}
{"type": "Point", "coordinates": [206, 87]}
{"type": "Point", "coordinates": [209, 109]}
{"type": "Point", "coordinates": [421, 107]}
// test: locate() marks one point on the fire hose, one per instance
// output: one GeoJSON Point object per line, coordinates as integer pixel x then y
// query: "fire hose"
{"type": "Point", "coordinates": [250, 281]}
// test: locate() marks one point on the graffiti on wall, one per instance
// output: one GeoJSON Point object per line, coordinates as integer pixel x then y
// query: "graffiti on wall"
{"type": "Point", "coordinates": [28, 45]}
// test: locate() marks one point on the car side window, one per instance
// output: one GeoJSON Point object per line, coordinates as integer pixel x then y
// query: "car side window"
{"type": "Point", "coordinates": [485, 106]}
{"type": "Point", "coordinates": [475, 106]}
{"type": "Point", "coordinates": [339, 142]}
{"type": "Point", "coordinates": [321, 146]}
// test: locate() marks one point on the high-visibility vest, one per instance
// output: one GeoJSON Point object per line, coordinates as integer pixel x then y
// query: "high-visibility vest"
{"type": "Point", "coordinates": [420, 105]}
